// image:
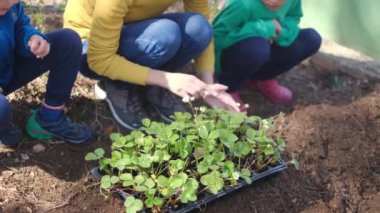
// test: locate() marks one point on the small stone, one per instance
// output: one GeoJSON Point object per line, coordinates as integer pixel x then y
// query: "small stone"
{"type": "Point", "coordinates": [32, 174]}
{"type": "Point", "coordinates": [9, 154]}
{"type": "Point", "coordinates": [62, 154]}
{"type": "Point", "coordinates": [38, 148]}
{"type": "Point", "coordinates": [29, 210]}
{"type": "Point", "coordinates": [17, 160]}
{"type": "Point", "coordinates": [25, 157]}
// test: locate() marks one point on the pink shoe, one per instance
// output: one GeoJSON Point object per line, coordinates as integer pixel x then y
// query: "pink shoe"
{"type": "Point", "coordinates": [272, 90]}
{"type": "Point", "coordinates": [237, 99]}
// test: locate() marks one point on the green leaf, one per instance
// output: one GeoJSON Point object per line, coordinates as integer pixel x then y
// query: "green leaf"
{"type": "Point", "coordinates": [99, 152]}
{"type": "Point", "coordinates": [219, 156]}
{"type": "Point", "coordinates": [243, 148]}
{"type": "Point", "coordinates": [146, 122]}
{"type": "Point", "coordinates": [162, 181]}
{"type": "Point", "coordinates": [141, 188]}
{"type": "Point", "coordinates": [237, 119]}
{"type": "Point", "coordinates": [213, 135]}
{"type": "Point", "coordinates": [178, 180]}
{"type": "Point", "coordinates": [189, 191]}
{"type": "Point", "coordinates": [295, 162]}
{"type": "Point", "coordinates": [213, 181]}
{"type": "Point", "coordinates": [145, 160]}
{"type": "Point", "coordinates": [175, 166]}
{"type": "Point", "coordinates": [127, 179]}
{"type": "Point", "coordinates": [246, 172]}
{"type": "Point", "coordinates": [158, 201]}
{"type": "Point", "coordinates": [105, 182]}
{"type": "Point", "coordinates": [251, 133]}
{"type": "Point", "coordinates": [127, 183]}
{"type": "Point", "coordinates": [114, 179]}
{"type": "Point", "coordinates": [192, 138]}
{"type": "Point", "coordinates": [149, 202]}
{"type": "Point", "coordinates": [149, 183]}
{"type": "Point", "coordinates": [203, 132]}
{"type": "Point", "coordinates": [133, 205]}
{"type": "Point", "coordinates": [232, 138]}
{"type": "Point", "coordinates": [91, 156]}
{"type": "Point", "coordinates": [202, 167]}
{"type": "Point", "coordinates": [139, 179]}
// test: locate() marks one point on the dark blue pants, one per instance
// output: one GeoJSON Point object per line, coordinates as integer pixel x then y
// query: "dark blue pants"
{"type": "Point", "coordinates": [62, 61]}
{"type": "Point", "coordinates": [255, 58]}
{"type": "Point", "coordinates": [166, 42]}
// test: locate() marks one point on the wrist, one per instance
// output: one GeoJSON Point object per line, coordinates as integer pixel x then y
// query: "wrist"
{"type": "Point", "coordinates": [207, 77]}
{"type": "Point", "coordinates": [157, 78]}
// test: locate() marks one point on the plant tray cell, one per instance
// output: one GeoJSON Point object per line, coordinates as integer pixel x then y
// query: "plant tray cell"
{"type": "Point", "coordinates": [209, 198]}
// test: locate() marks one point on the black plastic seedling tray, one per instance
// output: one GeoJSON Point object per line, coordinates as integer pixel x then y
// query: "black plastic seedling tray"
{"type": "Point", "coordinates": [209, 198]}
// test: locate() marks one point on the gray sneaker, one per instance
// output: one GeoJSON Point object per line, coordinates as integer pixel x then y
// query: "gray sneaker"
{"type": "Point", "coordinates": [164, 102]}
{"type": "Point", "coordinates": [125, 104]}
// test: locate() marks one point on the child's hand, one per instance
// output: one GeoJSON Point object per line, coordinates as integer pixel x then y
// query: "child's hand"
{"type": "Point", "coordinates": [222, 100]}
{"type": "Point", "coordinates": [39, 46]}
{"type": "Point", "coordinates": [278, 27]}
{"type": "Point", "coordinates": [273, 4]}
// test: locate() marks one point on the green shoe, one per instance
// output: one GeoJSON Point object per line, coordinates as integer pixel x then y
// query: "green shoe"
{"type": "Point", "coordinates": [34, 130]}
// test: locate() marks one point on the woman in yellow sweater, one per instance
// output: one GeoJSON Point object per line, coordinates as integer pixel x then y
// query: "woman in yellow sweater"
{"type": "Point", "coordinates": [129, 44]}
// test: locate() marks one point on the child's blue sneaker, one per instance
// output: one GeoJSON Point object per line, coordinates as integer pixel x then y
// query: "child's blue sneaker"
{"type": "Point", "coordinates": [62, 129]}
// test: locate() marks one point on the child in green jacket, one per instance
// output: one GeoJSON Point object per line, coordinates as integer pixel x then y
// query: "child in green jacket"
{"type": "Point", "coordinates": [258, 40]}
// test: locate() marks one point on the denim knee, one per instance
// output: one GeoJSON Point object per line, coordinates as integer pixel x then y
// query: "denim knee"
{"type": "Point", "coordinates": [198, 33]}
{"type": "Point", "coordinates": [155, 46]}
{"type": "Point", "coordinates": [5, 113]}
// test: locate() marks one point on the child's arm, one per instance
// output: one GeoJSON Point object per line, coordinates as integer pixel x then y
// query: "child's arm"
{"type": "Point", "coordinates": [290, 24]}
{"type": "Point", "coordinates": [23, 32]}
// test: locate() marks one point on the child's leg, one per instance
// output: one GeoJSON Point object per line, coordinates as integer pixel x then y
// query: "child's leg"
{"type": "Point", "coordinates": [63, 62]}
{"type": "Point", "coordinates": [5, 113]}
{"type": "Point", "coordinates": [282, 59]}
{"type": "Point", "coordinates": [9, 135]}
{"type": "Point", "coordinates": [241, 60]}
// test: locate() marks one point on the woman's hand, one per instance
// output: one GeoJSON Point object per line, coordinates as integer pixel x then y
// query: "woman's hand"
{"type": "Point", "coordinates": [183, 85]}
{"type": "Point", "coordinates": [222, 100]}
{"type": "Point", "coordinates": [39, 46]}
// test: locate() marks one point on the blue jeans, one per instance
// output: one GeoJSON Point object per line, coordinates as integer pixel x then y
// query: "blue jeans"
{"type": "Point", "coordinates": [62, 61]}
{"type": "Point", "coordinates": [255, 58]}
{"type": "Point", "coordinates": [166, 42]}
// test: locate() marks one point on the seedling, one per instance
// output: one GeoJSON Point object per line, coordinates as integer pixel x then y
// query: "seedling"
{"type": "Point", "coordinates": [165, 166]}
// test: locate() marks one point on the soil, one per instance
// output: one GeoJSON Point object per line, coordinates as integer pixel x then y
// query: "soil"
{"type": "Point", "coordinates": [332, 128]}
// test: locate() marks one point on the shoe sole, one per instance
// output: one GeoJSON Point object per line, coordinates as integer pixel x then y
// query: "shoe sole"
{"type": "Point", "coordinates": [116, 117]}
{"type": "Point", "coordinates": [43, 135]}
{"type": "Point", "coordinates": [99, 93]}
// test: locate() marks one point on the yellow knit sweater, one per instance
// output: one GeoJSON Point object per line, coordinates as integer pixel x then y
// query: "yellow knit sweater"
{"type": "Point", "coordinates": [100, 21]}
